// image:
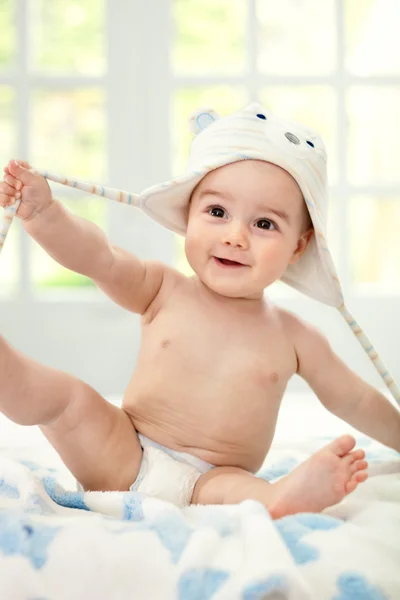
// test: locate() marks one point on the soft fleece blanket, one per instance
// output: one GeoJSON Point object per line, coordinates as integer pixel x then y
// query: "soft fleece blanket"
{"type": "Point", "coordinates": [59, 544]}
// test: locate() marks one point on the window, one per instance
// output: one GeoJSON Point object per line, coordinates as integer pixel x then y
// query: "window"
{"type": "Point", "coordinates": [103, 89]}
{"type": "Point", "coordinates": [334, 65]}
{"type": "Point", "coordinates": [52, 111]}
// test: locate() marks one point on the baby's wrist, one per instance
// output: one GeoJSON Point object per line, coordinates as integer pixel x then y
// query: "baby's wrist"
{"type": "Point", "coordinates": [41, 216]}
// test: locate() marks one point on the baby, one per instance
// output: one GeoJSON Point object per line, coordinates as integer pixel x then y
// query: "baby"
{"type": "Point", "coordinates": [199, 414]}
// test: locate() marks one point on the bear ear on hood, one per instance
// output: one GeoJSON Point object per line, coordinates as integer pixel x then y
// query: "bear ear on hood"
{"type": "Point", "coordinates": [201, 119]}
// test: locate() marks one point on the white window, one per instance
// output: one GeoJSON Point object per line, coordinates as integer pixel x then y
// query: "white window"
{"type": "Point", "coordinates": [102, 90]}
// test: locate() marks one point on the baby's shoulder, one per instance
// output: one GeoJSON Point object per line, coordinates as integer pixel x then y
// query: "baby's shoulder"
{"type": "Point", "coordinates": [298, 329]}
{"type": "Point", "coordinates": [291, 322]}
{"type": "Point", "coordinates": [310, 344]}
{"type": "Point", "coordinates": [172, 279]}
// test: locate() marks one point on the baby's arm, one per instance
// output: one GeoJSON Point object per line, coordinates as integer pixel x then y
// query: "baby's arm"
{"type": "Point", "coordinates": [80, 245]}
{"type": "Point", "coordinates": [340, 390]}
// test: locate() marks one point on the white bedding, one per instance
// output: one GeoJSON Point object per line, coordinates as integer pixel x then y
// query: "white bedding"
{"type": "Point", "coordinates": [58, 544]}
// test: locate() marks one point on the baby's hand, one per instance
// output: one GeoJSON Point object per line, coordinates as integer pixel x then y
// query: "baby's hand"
{"type": "Point", "coordinates": [20, 184]}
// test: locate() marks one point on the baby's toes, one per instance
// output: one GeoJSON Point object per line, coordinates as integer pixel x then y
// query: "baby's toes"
{"type": "Point", "coordinates": [357, 473]}
{"type": "Point", "coordinates": [343, 474]}
{"type": "Point", "coordinates": [357, 454]}
{"type": "Point", "coordinates": [360, 476]}
{"type": "Point", "coordinates": [351, 486]}
{"type": "Point", "coordinates": [356, 478]}
{"type": "Point", "coordinates": [342, 445]}
{"type": "Point", "coordinates": [358, 465]}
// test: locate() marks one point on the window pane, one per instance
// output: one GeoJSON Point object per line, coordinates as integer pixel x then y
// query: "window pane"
{"type": "Point", "coordinates": [209, 36]}
{"type": "Point", "coordinates": [68, 132]}
{"type": "Point", "coordinates": [68, 35]}
{"type": "Point", "coordinates": [375, 245]}
{"type": "Point", "coordinates": [8, 125]}
{"type": "Point", "coordinates": [314, 106]}
{"type": "Point", "coordinates": [374, 123]}
{"type": "Point", "coordinates": [9, 260]}
{"type": "Point", "coordinates": [7, 36]}
{"type": "Point", "coordinates": [296, 37]}
{"type": "Point", "coordinates": [47, 273]}
{"type": "Point", "coordinates": [372, 37]}
{"type": "Point", "coordinates": [223, 99]}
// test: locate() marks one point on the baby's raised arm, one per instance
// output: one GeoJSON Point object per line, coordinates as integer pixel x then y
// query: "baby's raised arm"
{"type": "Point", "coordinates": [78, 244]}
{"type": "Point", "coordinates": [341, 390]}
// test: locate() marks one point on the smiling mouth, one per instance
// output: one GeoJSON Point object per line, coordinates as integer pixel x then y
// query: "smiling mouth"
{"type": "Point", "coordinates": [228, 263]}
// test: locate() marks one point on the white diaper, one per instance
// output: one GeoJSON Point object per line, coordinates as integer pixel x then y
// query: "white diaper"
{"type": "Point", "coordinates": [167, 474]}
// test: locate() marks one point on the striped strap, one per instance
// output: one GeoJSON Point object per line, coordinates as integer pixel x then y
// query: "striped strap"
{"type": "Point", "coordinates": [5, 224]}
{"type": "Point", "coordinates": [92, 188]}
{"type": "Point", "coordinates": [99, 190]}
{"type": "Point", "coordinates": [371, 352]}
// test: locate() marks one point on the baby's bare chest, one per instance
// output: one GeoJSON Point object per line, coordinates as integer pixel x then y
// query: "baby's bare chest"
{"type": "Point", "coordinates": [235, 350]}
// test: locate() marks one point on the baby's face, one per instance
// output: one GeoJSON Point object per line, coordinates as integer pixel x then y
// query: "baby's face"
{"type": "Point", "coordinates": [251, 212]}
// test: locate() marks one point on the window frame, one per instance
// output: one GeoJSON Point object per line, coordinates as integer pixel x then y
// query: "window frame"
{"type": "Point", "coordinates": [139, 133]}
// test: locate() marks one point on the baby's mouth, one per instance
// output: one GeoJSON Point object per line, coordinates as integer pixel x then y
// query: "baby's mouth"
{"type": "Point", "coordinates": [228, 263]}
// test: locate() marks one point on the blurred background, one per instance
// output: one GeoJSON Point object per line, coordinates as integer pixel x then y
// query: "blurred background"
{"type": "Point", "coordinates": [103, 90]}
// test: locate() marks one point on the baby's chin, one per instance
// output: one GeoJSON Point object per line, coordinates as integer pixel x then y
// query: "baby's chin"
{"type": "Point", "coordinates": [231, 289]}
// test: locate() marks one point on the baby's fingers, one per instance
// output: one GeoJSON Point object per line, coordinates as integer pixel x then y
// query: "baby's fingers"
{"type": "Point", "coordinates": [21, 163]}
{"type": "Point", "coordinates": [6, 201]}
{"type": "Point", "coordinates": [12, 182]}
{"type": "Point", "coordinates": [8, 195]}
{"type": "Point", "coordinates": [8, 190]}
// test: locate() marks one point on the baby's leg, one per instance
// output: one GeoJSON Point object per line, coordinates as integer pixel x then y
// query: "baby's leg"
{"type": "Point", "coordinates": [96, 440]}
{"type": "Point", "coordinates": [321, 481]}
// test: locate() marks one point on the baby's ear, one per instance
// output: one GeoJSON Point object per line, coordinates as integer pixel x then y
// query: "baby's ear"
{"type": "Point", "coordinates": [201, 119]}
{"type": "Point", "coordinates": [302, 245]}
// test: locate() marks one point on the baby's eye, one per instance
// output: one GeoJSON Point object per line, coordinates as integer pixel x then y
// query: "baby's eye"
{"type": "Point", "coordinates": [266, 224]}
{"type": "Point", "coordinates": [216, 211]}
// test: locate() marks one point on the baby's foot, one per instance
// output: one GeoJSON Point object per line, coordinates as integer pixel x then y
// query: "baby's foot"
{"type": "Point", "coordinates": [322, 480]}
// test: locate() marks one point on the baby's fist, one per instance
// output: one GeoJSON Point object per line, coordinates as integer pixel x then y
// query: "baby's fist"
{"type": "Point", "coordinates": [10, 190]}
{"type": "Point", "coordinates": [32, 189]}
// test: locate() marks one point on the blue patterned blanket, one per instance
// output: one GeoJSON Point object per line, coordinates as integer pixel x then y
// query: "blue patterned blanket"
{"type": "Point", "coordinates": [60, 544]}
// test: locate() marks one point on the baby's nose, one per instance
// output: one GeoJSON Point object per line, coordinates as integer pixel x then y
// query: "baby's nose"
{"type": "Point", "coordinates": [236, 235]}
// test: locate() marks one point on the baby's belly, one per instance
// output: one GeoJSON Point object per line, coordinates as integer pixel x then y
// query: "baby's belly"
{"type": "Point", "coordinates": [223, 428]}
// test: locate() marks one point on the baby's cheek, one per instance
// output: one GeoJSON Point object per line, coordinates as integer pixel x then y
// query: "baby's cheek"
{"type": "Point", "coordinates": [275, 256]}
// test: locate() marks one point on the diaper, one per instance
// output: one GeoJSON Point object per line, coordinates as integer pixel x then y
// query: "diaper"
{"type": "Point", "coordinates": [168, 474]}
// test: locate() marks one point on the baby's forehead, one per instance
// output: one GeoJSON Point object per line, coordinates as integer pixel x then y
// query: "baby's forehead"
{"type": "Point", "coordinates": [248, 168]}
{"type": "Point", "coordinates": [261, 178]}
